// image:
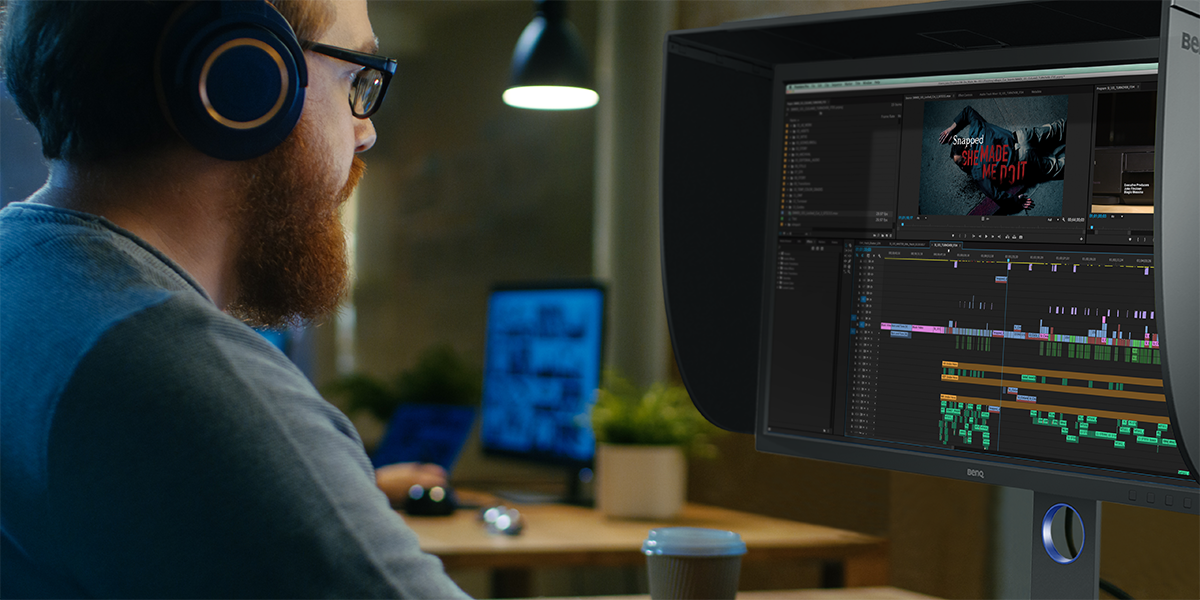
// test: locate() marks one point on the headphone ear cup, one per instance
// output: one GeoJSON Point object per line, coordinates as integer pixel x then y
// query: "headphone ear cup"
{"type": "Point", "coordinates": [231, 78]}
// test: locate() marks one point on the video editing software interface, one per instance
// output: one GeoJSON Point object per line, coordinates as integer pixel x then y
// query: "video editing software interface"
{"type": "Point", "coordinates": [986, 243]}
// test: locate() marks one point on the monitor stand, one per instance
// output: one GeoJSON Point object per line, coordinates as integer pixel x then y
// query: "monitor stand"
{"type": "Point", "coordinates": [1066, 547]}
{"type": "Point", "coordinates": [578, 491]}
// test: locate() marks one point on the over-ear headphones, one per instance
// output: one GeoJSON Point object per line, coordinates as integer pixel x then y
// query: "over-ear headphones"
{"type": "Point", "coordinates": [230, 77]}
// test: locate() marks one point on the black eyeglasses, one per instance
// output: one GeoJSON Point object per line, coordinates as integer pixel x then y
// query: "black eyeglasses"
{"type": "Point", "coordinates": [370, 83]}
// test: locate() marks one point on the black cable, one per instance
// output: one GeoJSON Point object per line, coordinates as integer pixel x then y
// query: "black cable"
{"type": "Point", "coordinates": [1069, 521]}
{"type": "Point", "coordinates": [1069, 530]}
{"type": "Point", "coordinates": [1113, 590]}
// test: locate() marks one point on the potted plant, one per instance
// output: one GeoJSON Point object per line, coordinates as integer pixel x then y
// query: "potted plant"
{"type": "Point", "coordinates": [441, 392]}
{"type": "Point", "coordinates": [643, 438]}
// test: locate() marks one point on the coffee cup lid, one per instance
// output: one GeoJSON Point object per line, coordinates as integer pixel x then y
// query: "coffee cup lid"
{"type": "Point", "coordinates": [693, 541]}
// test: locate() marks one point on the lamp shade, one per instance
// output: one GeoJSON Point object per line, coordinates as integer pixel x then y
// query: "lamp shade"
{"type": "Point", "coordinates": [549, 68]}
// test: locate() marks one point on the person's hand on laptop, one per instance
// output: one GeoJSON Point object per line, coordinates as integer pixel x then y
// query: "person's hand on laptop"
{"type": "Point", "coordinates": [395, 480]}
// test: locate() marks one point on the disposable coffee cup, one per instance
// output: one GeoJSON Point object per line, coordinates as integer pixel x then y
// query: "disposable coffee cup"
{"type": "Point", "coordinates": [692, 562]}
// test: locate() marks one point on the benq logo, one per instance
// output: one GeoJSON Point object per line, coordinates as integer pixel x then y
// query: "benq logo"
{"type": "Point", "coordinates": [975, 473]}
{"type": "Point", "coordinates": [1191, 42]}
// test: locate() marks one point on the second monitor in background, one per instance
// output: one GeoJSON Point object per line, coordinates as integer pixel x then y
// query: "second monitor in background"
{"type": "Point", "coordinates": [542, 363]}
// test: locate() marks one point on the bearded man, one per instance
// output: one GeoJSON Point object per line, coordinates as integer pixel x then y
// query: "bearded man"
{"type": "Point", "coordinates": [153, 443]}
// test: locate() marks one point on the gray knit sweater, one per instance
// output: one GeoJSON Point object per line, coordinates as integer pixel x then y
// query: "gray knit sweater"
{"type": "Point", "coordinates": [155, 446]}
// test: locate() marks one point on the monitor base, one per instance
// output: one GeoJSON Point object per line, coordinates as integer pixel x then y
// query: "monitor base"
{"type": "Point", "coordinates": [578, 492]}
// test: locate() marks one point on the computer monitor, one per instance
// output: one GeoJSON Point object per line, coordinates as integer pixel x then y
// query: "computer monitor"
{"type": "Point", "coordinates": [992, 300]}
{"type": "Point", "coordinates": [924, 239]}
{"type": "Point", "coordinates": [542, 366]}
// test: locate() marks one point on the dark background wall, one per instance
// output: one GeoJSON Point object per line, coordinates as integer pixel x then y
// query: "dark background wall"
{"type": "Point", "coordinates": [464, 190]}
{"type": "Point", "coordinates": [22, 169]}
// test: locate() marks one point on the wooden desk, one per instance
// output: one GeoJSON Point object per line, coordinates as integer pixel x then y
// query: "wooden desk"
{"type": "Point", "coordinates": [862, 593]}
{"type": "Point", "coordinates": [559, 535]}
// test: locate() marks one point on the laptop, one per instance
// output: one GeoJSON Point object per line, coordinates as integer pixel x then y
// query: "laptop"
{"type": "Point", "coordinates": [426, 433]}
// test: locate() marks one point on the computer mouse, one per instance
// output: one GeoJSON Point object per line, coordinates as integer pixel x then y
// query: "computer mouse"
{"type": "Point", "coordinates": [502, 519]}
{"type": "Point", "coordinates": [433, 501]}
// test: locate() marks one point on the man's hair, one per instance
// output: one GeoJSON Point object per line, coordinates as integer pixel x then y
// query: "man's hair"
{"type": "Point", "coordinates": [83, 72]}
{"type": "Point", "coordinates": [957, 150]}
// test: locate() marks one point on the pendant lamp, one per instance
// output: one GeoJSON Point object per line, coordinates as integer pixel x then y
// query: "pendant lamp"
{"type": "Point", "coordinates": [549, 68]}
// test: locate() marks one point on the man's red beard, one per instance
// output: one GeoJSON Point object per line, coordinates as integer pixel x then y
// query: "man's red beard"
{"type": "Point", "coordinates": [292, 266]}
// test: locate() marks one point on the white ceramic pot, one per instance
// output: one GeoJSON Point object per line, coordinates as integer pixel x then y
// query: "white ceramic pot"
{"type": "Point", "coordinates": [640, 482]}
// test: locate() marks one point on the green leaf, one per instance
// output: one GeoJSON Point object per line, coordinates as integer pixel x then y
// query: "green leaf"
{"type": "Point", "coordinates": [659, 415]}
{"type": "Point", "coordinates": [440, 376]}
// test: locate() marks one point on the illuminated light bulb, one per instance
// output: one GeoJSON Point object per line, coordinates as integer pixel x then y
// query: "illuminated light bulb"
{"type": "Point", "coordinates": [550, 97]}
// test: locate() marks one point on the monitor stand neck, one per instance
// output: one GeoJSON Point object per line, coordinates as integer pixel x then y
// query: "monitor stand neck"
{"type": "Point", "coordinates": [1066, 547]}
{"type": "Point", "coordinates": [577, 492]}
{"type": "Point", "coordinates": [579, 488]}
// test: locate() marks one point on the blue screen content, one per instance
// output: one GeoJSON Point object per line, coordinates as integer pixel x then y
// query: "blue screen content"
{"type": "Point", "coordinates": [541, 370]}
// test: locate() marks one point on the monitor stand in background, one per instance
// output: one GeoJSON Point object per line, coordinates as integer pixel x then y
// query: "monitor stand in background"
{"type": "Point", "coordinates": [578, 491]}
